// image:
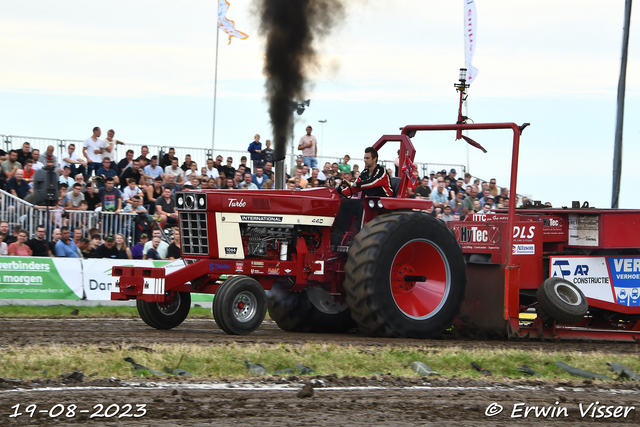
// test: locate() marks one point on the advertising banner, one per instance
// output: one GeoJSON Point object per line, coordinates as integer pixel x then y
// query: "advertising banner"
{"type": "Point", "coordinates": [99, 283]}
{"type": "Point", "coordinates": [40, 278]}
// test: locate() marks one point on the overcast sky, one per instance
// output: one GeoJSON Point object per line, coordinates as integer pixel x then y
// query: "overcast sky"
{"type": "Point", "coordinates": [146, 69]}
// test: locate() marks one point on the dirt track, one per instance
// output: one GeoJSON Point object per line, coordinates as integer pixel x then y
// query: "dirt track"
{"type": "Point", "coordinates": [377, 401]}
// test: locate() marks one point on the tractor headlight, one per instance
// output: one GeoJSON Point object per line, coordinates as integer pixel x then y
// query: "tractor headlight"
{"type": "Point", "coordinates": [380, 204]}
{"type": "Point", "coordinates": [372, 204]}
{"type": "Point", "coordinates": [180, 201]}
{"type": "Point", "coordinates": [201, 201]}
{"type": "Point", "coordinates": [189, 201]}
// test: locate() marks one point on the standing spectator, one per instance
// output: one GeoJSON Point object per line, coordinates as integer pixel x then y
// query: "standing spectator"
{"type": "Point", "coordinates": [309, 146]}
{"type": "Point", "coordinates": [110, 197]}
{"type": "Point", "coordinates": [136, 251]}
{"type": "Point", "coordinates": [39, 245]}
{"type": "Point", "coordinates": [165, 206]}
{"type": "Point", "coordinates": [93, 147]}
{"type": "Point", "coordinates": [76, 163]}
{"type": "Point", "coordinates": [20, 247]}
{"type": "Point", "coordinates": [107, 249]}
{"type": "Point", "coordinates": [255, 149]}
{"type": "Point", "coordinates": [162, 247]}
{"type": "Point", "coordinates": [108, 145]}
{"type": "Point", "coordinates": [10, 166]}
{"type": "Point", "coordinates": [177, 172]}
{"type": "Point", "coordinates": [154, 251]}
{"type": "Point", "coordinates": [174, 248]}
{"type": "Point", "coordinates": [152, 170]}
{"type": "Point", "coordinates": [4, 249]}
{"type": "Point", "coordinates": [18, 186]}
{"type": "Point", "coordinates": [267, 153]}
{"type": "Point", "coordinates": [345, 166]}
{"type": "Point", "coordinates": [65, 247]}
{"type": "Point", "coordinates": [106, 171]}
{"type": "Point", "coordinates": [25, 153]}
{"type": "Point", "coordinates": [121, 246]}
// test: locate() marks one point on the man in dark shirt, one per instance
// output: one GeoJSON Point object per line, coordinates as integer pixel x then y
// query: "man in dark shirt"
{"type": "Point", "coordinates": [133, 172]}
{"type": "Point", "coordinates": [107, 172]}
{"type": "Point", "coordinates": [108, 249]}
{"type": "Point", "coordinates": [39, 245]}
{"type": "Point", "coordinates": [110, 197]}
{"type": "Point", "coordinates": [228, 170]}
{"type": "Point", "coordinates": [165, 206]}
{"type": "Point", "coordinates": [423, 191]}
{"type": "Point", "coordinates": [125, 163]}
{"type": "Point", "coordinates": [166, 159]}
{"type": "Point", "coordinates": [18, 186]}
{"type": "Point", "coordinates": [25, 153]}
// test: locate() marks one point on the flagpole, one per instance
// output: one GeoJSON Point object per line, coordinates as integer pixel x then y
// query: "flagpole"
{"type": "Point", "coordinates": [215, 87]}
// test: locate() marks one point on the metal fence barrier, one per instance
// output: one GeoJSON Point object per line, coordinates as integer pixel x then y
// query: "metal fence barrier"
{"type": "Point", "coordinates": [28, 216]}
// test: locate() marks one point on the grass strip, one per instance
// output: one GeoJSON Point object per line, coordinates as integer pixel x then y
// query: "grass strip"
{"type": "Point", "coordinates": [227, 361]}
{"type": "Point", "coordinates": [98, 311]}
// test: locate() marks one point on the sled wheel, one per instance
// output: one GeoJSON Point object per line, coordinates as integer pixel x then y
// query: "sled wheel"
{"type": "Point", "coordinates": [239, 306]}
{"type": "Point", "coordinates": [310, 310]}
{"type": "Point", "coordinates": [405, 276]}
{"type": "Point", "coordinates": [165, 316]}
{"type": "Point", "coordinates": [563, 301]}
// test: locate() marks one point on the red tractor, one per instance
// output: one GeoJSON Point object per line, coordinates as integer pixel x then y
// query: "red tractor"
{"type": "Point", "coordinates": [402, 274]}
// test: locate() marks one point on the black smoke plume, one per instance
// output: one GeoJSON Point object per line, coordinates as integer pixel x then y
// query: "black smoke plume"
{"type": "Point", "coordinates": [290, 28]}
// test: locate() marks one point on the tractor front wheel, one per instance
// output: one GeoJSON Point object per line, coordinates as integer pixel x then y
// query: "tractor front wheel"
{"type": "Point", "coordinates": [405, 276]}
{"type": "Point", "coordinates": [239, 306]}
{"type": "Point", "coordinates": [165, 316]}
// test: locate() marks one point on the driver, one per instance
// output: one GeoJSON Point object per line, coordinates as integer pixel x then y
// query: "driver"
{"type": "Point", "coordinates": [373, 181]}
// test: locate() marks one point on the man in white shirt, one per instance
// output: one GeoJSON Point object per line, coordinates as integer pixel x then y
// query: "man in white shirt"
{"type": "Point", "coordinates": [93, 147]}
{"type": "Point", "coordinates": [73, 160]}
{"type": "Point", "coordinates": [35, 155]}
{"type": "Point", "coordinates": [162, 248]}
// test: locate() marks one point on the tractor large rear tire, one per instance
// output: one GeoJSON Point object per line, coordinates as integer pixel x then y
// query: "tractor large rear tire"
{"type": "Point", "coordinates": [239, 306]}
{"type": "Point", "coordinates": [296, 311]}
{"type": "Point", "coordinates": [405, 276]}
{"type": "Point", "coordinates": [161, 316]}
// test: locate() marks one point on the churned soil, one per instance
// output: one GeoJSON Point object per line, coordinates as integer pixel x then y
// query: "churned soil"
{"type": "Point", "coordinates": [332, 401]}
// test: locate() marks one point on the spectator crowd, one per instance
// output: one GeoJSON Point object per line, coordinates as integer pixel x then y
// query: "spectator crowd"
{"type": "Point", "coordinates": [146, 183]}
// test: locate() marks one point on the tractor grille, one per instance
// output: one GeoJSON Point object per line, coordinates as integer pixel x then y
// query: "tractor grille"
{"type": "Point", "coordinates": [194, 233]}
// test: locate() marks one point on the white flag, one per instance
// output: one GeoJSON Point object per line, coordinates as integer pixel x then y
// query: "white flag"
{"type": "Point", "coordinates": [470, 29]}
{"type": "Point", "coordinates": [227, 25]}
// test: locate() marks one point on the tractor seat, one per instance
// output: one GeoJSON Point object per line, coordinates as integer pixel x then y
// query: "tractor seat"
{"type": "Point", "coordinates": [395, 185]}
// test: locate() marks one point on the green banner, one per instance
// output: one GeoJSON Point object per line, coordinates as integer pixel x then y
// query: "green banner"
{"type": "Point", "coordinates": [40, 278]}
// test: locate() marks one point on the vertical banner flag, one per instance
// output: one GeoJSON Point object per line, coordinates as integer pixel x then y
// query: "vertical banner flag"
{"type": "Point", "coordinates": [227, 25]}
{"type": "Point", "coordinates": [470, 27]}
